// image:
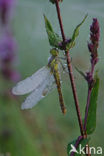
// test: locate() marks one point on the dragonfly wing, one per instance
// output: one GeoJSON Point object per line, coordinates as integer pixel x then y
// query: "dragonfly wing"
{"type": "Point", "coordinates": [32, 82]}
{"type": "Point", "coordinates": [50, 86]}
{"type": "Point", "coordinates": [39, 93]}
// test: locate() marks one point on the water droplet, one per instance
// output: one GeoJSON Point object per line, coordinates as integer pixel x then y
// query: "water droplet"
{"type": "Point", "coordinates": [61, 81]}
{"type": "Point", "coordinates": [65, 65]}
{"type": "Point", "coordinates": [44, 93]}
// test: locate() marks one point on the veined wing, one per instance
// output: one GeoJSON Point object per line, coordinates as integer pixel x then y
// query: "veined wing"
{"type": "Point", "coordinates": [40, 92]}
{"type": "Point", "coordinates": [29, 84]}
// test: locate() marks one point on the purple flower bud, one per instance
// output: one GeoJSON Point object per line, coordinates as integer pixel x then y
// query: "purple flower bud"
{"type": "Point", "coordinates": [89, 78]}
{"type": "Point", "coordinates": [94, 28]}
{"type": "Point", "coordinates": [53, 1]}
{"type": "Point", "coordinates": [90, 47]}
{"type": "Point", "coordinates": [95, 31]}
{"type": "Point", "coordinates": [7, 48]}
{"type": "Point", "coordinates": [94, 38]}
{"type": "Point", "coordinates": [7, 42]}
{"type": "Point", "coordinates": [7, 54]}
{"type": "Point", "coordinates": [94, 61]}
{"type": "Point", "coordinates": [5, 9]}
{"type": "Point", "coordinates": [15, 76]}
{"type": "Point", "coordinates": [9, 73]}
{"type": "Point", "coordinates": [62, 44]}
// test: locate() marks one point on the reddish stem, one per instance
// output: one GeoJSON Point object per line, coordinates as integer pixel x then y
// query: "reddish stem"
{"type": "Point", "coordinates": [70, 71]}
{"type": "Point", "coordinates": [60, 20]}
{"type": "Point", "coordinates": [71, 75]}
{"type": "Point", "coordinates": [80, 138]}
{"type": "Point", "coordinates": [74, 92]}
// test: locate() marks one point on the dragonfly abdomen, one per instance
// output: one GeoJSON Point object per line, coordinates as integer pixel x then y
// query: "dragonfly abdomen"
{"type": "Point", "coordinates": [61, 99]}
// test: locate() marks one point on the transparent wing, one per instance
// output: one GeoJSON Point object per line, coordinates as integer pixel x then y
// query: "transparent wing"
{"type": "Point", "coordinates": [29, 84]}
{"type": "Point", "coordinates": [39, 93]}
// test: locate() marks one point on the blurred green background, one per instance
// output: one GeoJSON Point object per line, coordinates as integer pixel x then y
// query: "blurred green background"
{"type": "Point", "coordinates": [43, 130]}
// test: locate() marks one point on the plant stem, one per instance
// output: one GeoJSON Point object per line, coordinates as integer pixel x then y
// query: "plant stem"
{"type": "Point", "coordinates": [60, 20]}
{"type": "Point", "coordinates": [79, 139]}
{"type": "Point", "coordinates": [71, 75]}
{"type": "Point", "coordinates": [70, 71]}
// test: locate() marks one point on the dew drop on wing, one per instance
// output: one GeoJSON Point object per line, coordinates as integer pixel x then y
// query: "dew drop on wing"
{"type": "Point", "coordinates": [44, 93]}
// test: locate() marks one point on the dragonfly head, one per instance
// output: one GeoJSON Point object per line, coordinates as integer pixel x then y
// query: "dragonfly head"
{"type": "Point", "coordinates": [54, 52]}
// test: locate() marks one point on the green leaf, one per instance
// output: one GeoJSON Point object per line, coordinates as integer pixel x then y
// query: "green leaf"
{"type": "Point", "coordinates": [75, 34]}
{"type": "Point", "coordinates": [80, 72]}
{"type": "Point", "coordinates": [69, 146]}
{"type": "Point", "coordinates": [91, 120]}
{"type": "Point", "coordinates": [83, 143]}
{"type": "Point", "coordinates": [54, 38]}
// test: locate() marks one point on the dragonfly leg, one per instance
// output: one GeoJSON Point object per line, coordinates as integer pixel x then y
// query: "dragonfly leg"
{"type": "Point", "coordinates": [64, 67]}
{"type": "Point", "coordinates": [62, 58]}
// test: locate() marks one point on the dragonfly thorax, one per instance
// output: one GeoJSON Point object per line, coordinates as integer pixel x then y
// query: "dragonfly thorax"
{"type": "Point", "coordinates": [53, 63]}
{"type": "Point", "coordinates": [54, 52]}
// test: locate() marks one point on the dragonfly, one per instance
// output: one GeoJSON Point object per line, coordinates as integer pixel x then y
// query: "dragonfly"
{"type": "Point", "coordinates": [41, 83]}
